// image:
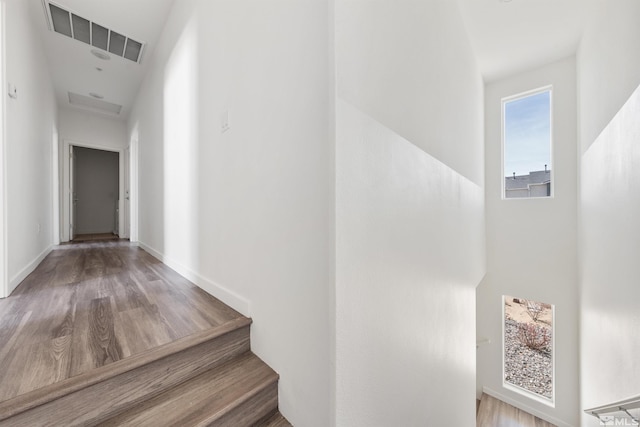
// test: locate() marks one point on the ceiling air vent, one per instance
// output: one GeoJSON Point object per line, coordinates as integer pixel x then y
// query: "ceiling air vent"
{"type": "Point", "coordinates": [76, 27]}
{"type": "Point", "coordinates": [94, 104]}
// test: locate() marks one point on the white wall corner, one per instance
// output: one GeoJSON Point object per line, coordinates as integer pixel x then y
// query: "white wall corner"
{"type": "Point", "coordinates": [228, 297]}
{"type": "Point", "coordinates": [26, 271]}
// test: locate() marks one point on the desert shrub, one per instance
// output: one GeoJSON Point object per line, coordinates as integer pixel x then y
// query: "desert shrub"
{"type": "Point", "coordinates": [534, 309]}
{"type": "Point", "coordinates": [533, 336]}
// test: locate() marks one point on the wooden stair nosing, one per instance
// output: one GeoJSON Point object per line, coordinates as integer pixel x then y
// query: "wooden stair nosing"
{"type": "Point", "coordinates": [44, 395]}
{"type": "Point", "coordinates": [241, 391]}
{"type": "Point", "coordinates": [104, 400]}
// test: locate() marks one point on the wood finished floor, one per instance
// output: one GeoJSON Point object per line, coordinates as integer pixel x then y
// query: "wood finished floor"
{"type": "Point", "coordinates": [79, 238]}
{"type": "Point", "coordinates": [90, 304]}
{"type": "Point", "coordinates": [496, 413]}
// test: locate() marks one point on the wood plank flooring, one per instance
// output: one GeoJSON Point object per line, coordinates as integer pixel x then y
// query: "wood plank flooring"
{"type": "Point", "coordinates": [496, 413]}
{"type": "Point", "coordinates": [91, 304]}
{"type": "Point", "coordinates": [78, 238]}
{"type": "Point", "coordinates": [246, 378]}
{"type": "Point", "coordinates": [276, 420]}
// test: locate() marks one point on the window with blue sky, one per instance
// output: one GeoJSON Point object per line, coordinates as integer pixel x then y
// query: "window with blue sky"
{"type": "Point", "coordinates": [527, 145]}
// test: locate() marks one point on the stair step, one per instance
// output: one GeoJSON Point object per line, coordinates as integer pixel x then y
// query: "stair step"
{"type": "Point", "coordinates": [237, 393]}
{"type": "Point", "coordinates": [96, 396]}
{"type": "Point", "coordinates": [275, 420]}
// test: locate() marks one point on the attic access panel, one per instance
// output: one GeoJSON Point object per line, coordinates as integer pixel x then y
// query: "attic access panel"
{"type": "Point", "coordinates": [84, 30]}
{"type": "Point", "coordinates": [94, 104]}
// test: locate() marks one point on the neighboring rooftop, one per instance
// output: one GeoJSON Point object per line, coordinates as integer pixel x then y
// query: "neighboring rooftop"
{"type": "Point", "coordinates": [535, 184]}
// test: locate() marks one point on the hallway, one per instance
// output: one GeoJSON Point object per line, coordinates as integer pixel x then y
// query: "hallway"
{"type": "Point", "coordinates": [334, 171]}
{"type": "Point", "coordinates": [89, 305]}
{"type": "Point", "coordinates": [104, 334]}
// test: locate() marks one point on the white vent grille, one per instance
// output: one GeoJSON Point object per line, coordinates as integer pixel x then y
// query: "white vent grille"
{"type": "Point", "coordinates": [81, 29]}
{"type": "Point", "coordinates": [76, 27]}
{"type": "Point", "coordinates": [100, 36]}
{"type": "Point", "coordinates": [94, 104]}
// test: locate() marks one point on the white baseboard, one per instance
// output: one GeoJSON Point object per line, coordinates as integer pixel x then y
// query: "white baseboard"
{"type": "Point", "coordinates": [228, 297]}
{"type": "Point", "coordinates": [28, 269]}
{"type": "Point", "coordinates": [525, 408]}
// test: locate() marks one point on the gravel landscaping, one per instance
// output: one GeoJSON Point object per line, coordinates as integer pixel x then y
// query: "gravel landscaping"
{"type": "Point", "coordinates": [524, 367]}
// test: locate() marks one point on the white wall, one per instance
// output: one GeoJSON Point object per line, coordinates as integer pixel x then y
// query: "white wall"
{"type": "Point", "coordinates": [247, 214]}
{"type": "Point", "coordinates": [88, 129]}
{"type": "Point", "coordinates": [409, 214]}
{"type": "Point", "coordinates": [532, 244]}
{"type": "Point", "coordinates": [609, 77]}
{"type": "Point", "coordinates": [30, 135]}
{"type": "Point", "coordinates": [92, 128]}
{"type": "Point", "coordinates": [400, 64]}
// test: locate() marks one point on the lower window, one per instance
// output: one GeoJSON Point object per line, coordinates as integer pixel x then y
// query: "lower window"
{"type": "Point", "coordinates": [528, 348]}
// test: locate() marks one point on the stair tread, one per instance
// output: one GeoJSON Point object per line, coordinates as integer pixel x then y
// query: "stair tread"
{"type": "Point", "coordinates": [202, 399]}
{"type": "Point", "coordinates": [137, 374]}
{"type": "Point", "coordinates": [276, 420]}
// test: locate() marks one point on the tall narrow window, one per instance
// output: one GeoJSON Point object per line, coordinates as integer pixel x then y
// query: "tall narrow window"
{"type": "Point", "coordinates": [526, 141]}
{"type": "Point", "coordinates": [528, 348]}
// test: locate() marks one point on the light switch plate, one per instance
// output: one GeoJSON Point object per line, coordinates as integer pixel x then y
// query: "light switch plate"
{"type": "Point", "coordinates": [224, 122]}
{"type": "Point", "coordinates": [13, 91]}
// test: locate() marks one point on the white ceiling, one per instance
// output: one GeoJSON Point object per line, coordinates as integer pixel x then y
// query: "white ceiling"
{"type": "Point", "coordinates": [513, 36]}
{"type": "Point", "coordinates": [73, 67]}
{"type": "Point", "coordinates": [507, 36]}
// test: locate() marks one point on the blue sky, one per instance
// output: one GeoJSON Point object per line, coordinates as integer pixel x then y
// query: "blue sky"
{"type": "Point", "coordinates": [527, 140]}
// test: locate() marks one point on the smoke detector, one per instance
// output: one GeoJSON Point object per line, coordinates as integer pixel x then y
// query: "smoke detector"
{"type": "Point", "coordinates": [100, 54]}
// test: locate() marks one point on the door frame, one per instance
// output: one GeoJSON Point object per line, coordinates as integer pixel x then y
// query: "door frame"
{"type": "Point", "coordinates": [66, 185]}
{"type": "Point", "coordinates": [127, 192]}
{"type": "Point", "coordinates": [72, 192]}
{"type": "Point", "coordinates": [133, 190]}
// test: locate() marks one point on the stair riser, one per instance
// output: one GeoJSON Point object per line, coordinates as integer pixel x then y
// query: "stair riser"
{"type": "Point", "coordinates": [254, 409]}
{"type": "Point", "coordinates": [106, 399]}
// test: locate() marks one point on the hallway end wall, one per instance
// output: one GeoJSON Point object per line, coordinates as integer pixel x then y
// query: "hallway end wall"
{"type": "Point", "coordinates": [88, 129]}
{"type": "Point", "coordinates": [93, 128]}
